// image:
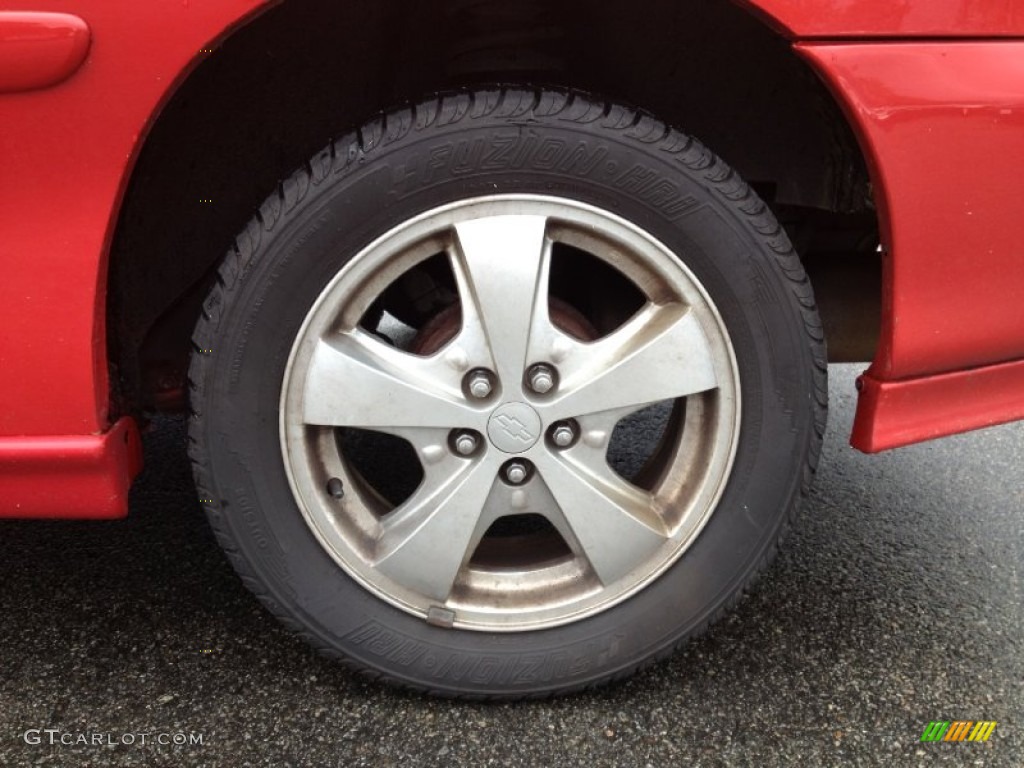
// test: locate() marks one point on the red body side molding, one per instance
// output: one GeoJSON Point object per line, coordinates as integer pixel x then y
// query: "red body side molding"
{"type": "Point", "coordinates": [85, 476]}
{"type": "Point", "coordinates": [892, 18]}
{"type": "Point", "coordinates": [38, 50]}
{"type": "Point", "coordinates": [895, 413]}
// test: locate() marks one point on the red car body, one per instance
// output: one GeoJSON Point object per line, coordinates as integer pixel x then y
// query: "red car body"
{"type": "Point", "coordinates": [933, 90]}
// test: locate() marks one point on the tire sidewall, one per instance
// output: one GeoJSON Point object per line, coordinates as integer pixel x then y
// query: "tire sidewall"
{"type": "Point", "coordinates": [655, 189]}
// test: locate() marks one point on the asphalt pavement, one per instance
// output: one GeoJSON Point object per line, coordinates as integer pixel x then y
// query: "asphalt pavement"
{"type": "Point", "coordinates": [896, 601]}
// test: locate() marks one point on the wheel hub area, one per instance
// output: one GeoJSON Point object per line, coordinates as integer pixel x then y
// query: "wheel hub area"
{"type": "Point", "coordinates": [514, 427]}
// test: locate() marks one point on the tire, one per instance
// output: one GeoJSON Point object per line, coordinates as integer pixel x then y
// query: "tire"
{"type": "Point", "coordinates": [290, 373]}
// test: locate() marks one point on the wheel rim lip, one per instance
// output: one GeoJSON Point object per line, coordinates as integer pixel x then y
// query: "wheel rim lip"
{"type": "Point", "coordinates": [557, 612]}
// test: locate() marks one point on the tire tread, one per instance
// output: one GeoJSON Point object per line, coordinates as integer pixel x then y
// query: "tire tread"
{"type": "Point", "coordinates": [467, 105]}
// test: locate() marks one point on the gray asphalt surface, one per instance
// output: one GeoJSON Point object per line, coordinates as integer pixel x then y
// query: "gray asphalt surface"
{"type": "Point", "coordinates": [897, 600]}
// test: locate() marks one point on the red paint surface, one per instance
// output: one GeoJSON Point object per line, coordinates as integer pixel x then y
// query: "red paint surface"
{"type": "Point", "coordinates": [82, 476]}
{"type": "Point", "coordinates": [895, 413]}
{"type": "Point", "coordinates": [892, 18]}
{"type": "Point", "coordinates": [67, 153]}
{"type": "Point", "coordinates": [943, 127]}
{"type": "Point", "coordinates": [941, 122]}
{"type": "Point", "coordinates": [38, 50]}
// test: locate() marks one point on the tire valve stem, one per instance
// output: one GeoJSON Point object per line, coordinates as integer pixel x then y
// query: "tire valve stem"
{"type": "Point", "coordinates": [336, 488]}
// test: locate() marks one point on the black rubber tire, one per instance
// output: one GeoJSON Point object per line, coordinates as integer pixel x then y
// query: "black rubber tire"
{"type": "Point", "coordinates": [447, 148]}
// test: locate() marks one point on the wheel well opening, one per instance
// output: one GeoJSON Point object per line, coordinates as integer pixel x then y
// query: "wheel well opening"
{"type": "Point", "coordinates": [277, 90]}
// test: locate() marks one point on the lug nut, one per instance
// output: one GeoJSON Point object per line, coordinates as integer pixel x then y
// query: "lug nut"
{"type": "Point", "coordinates": [479, 384]}
{"type": "Point", "coordinates": [541, 379]}
{"type": "Point", "coordinates": [465, 443]}
{"type": "Point", "coordinates": [563, 435]}
{"type": "Point", "coordinates": [516, 472]}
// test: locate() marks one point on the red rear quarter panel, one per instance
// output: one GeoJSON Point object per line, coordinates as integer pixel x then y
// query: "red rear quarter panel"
{"type": "Point", "coordinates": [67, 152]}
{"type": "Point", "coordinates": [942, 122]}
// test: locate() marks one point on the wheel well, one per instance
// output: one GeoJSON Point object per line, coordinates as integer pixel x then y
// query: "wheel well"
{"type": "Point", "coordinates": [278, 89]}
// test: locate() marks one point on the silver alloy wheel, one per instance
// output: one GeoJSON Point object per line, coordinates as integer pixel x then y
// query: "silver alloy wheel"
{"type": "Point", "coordinates": [419, 555]}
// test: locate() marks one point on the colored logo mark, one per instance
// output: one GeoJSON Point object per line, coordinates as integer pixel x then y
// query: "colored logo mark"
{"type": "Point", "coordinates": [959, 730]}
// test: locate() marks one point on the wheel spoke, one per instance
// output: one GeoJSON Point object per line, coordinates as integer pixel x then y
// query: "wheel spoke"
{"type": "Point", "coordinates": [355, 380]}
{"type": "Point", "coordinates": [660, 354]}
{"type": "Point", "coordinates": [427, 540]}
{"type": "Point", "coordinates": [501, 266]}
{"type": "Point", "coordinates": [616, 524]}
